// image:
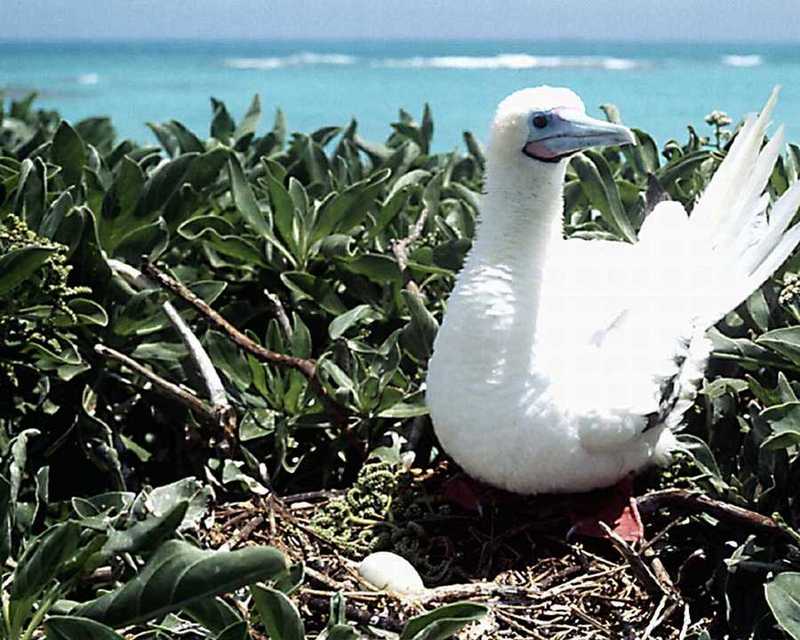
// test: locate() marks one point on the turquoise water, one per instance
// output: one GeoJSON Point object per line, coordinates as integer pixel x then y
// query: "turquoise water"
{"type": "Point", "coordinates": [658, 87]}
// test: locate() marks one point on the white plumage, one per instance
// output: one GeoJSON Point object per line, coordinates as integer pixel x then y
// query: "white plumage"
{"type": "Point", "coordinates": [564, 365]}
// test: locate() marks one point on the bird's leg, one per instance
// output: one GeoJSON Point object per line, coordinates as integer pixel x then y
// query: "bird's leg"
{"type": "Point", "coordinates": [614, 506]}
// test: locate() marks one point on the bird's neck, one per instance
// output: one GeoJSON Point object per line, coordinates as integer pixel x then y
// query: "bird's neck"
{"type": "Point", "coordinates": [521, 216]}
{"type": "Point", "coordinates": [494, 306]}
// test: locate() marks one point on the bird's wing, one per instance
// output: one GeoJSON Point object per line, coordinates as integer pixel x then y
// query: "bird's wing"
{"type": "Point", "coordinates": [622, 331]}
{"type": "Point", "coordinates": [616, 334]}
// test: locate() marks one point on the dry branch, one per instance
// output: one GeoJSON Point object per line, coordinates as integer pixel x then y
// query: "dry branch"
{"type": "Point", "coordinates": [165, 387]}
{"type": "Point", "coordinates": [225, 413]}
{"type": "Point", "coordinates": [695, 502]}
{"type": "Point", "coordinates": [306, 366]}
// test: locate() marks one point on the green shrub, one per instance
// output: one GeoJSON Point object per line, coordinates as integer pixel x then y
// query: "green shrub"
{"type": "Point", "coordinates": [324, 247]}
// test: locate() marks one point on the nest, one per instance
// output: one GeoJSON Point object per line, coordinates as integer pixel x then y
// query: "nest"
{"type": "Point", "coordinates": [514, 556]}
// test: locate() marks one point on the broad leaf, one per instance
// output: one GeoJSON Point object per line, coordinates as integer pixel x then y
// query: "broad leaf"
{"type": "Point", "coordinates": [278, 615]}
{"type": "Point", "coordinates": [444, 622]}
{"type": "Point", "coordinates": [783, 597]}
{"type": "Point", "coordinates": [179, 574]}
{"type": "Point", "coordinates": [76, 628]}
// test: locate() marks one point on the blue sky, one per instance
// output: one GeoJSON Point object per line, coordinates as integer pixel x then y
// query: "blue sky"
{"type": "Point", "coordinates": [690, 20]}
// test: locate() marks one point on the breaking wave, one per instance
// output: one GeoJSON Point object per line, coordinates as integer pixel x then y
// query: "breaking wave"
{"type": "Point", "coordinates": [500, 61]}
{"type": "Point", "coordinates": [88, 78]}
{"type": "Point", "coordinates": [296, 60]}
{"type": "Point", "coordinates": [752, 60]}
{"type": "Point", "coordinates": [514, 61]}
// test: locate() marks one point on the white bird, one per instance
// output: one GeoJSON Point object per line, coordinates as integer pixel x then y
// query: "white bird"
{"type": "Point", "coordinates": [563, 365]}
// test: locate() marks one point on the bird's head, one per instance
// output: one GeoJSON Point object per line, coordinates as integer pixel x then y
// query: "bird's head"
{"type": "Point", "coordinates": [549, 124]}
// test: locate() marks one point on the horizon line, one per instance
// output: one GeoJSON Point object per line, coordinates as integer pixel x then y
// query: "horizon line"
{"type": "Point", "coordinates": [346, 39]}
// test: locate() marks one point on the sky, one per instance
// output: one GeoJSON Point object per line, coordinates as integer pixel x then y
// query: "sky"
{"type": "Point", "coordinates": [638, 20]}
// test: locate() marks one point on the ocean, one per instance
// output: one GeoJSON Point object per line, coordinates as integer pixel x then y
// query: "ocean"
{"type": "Point", "coordinates": [658, 87]}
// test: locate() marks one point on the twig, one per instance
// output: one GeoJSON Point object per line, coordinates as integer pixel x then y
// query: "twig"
{"type": "Point", "coordinates": [529, 631]}
{"type": "Point", "coordinates": [280, 313]}
{"type": "Point", "coordinates": [640, 569]}
{"type": "Point", "coordinates": [306, 496]}
{"type": "Point", "coordinates": [452, 592]}
{"type": "Point", "coordinates": [305, 366]}
{"type": "Point", "coordinates": [400, 247]}
{"type": "Point", "coordinates": [686, 622]}
{"type": "Point", "coordinates": [699, 503]}
{"type": "Point", "coordinates": [226, 415]}
{"type": "Point", "coordinates": [358, 615]}
{"type": "Point", "coordinates": [169, 389]}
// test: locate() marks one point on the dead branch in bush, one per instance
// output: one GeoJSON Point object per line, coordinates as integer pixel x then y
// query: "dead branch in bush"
{"type": "Point", "coordinates": [638, 566]}
{"type": "Point", "coordinates": [400, 248]}
{"type": "Point", "coordinates": [306, 366]}
{"type": "Point", "coordinates": [221, 407]}
{"type": "Point", "coordinates": [695, 502]}
{"type": "Point", "coordinates": [166, 388]}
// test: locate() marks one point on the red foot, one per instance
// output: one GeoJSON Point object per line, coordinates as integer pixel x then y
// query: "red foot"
{"type": "Point", "coordinates": [615, 506]}
{"type": "Point", "coordinates": [465, 492]}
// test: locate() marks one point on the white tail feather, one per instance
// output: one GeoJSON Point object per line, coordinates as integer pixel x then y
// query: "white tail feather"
{"type": "Point", "coordinates": [736, 243]}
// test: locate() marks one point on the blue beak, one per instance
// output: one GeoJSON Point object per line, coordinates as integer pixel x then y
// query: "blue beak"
{"type": "Point", "coordinates": [568, 131]}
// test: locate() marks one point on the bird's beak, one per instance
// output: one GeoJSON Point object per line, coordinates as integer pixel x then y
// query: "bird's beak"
{"type": "Point", "coordinates": [569, 131]}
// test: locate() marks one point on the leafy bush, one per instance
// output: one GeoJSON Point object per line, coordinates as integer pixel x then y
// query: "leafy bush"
{"type": "Point", "coordinates": [338, 253]}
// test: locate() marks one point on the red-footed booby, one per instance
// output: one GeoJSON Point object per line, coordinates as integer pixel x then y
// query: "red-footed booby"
{"type": "Point", "coordinates": [563, 365]}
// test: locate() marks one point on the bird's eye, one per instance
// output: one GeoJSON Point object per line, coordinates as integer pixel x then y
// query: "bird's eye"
{"type": "Point", "coordinates": [540, 121]}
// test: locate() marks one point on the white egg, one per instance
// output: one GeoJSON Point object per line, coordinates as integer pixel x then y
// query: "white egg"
{"type": "Point", "coordinates": [389, 572]}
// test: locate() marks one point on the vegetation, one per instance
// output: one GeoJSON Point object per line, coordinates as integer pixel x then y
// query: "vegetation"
{"type": "Point", "coordinates": [245, 316]}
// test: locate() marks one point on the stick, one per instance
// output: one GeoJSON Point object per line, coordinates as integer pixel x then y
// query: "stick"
{"type": "Point", "coordinates": [640, 569]}
{"type": "Point", "coordinates": [166, 388]}
{"type": "Point", "coordinates": [226, 415]}
{"type": "Point", "coordinates": [305, 366]}
{"type": "Point", "coordinates": [699, 503]}
{"type": "Point", "coordinates": [400, 247]}
{"type": "Point", "coordinates": [280, 313]}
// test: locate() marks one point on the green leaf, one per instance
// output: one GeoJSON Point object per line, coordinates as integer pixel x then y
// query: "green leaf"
{"type": "Point", "coordinates": [163, 499]}
{"type": "Point", "coordinates": [69, 152]}
{"type": "Point", "coordinates": [228, 358]}
{"type": "Point", "coordinates": [404, 410]}
{"type": "Point", "coordinates": [443, 622]}
{"type": "Point", "coordinates": [187, 141]}
{"type": "Point", "coordinates": [702, 456]}
{"type": "Point", "coordinates": [213, 613]}
{"type": "Point", "coordinates": [149, 240]}
{"type": "Point", "coordinates": [75, 628]}
{"type": "Point", "coordinates": [339, 632]}
{"type": "Point", "coordinates": [784, 421]}
{"type": "Point", "coordinates": [283, 210]}
{"type": "Point", "coordinates": [601, 190]}
{"type": "Point", "coordinates": [784, 341]}
{"type": "Point", "coordinates": [247, 205]}
{"type": "Point", "coordinates": [783, 598]}
{"type": "Point", "coordinates": [120, 204]}
{"type": "Point", "coordinates": [216, 231]}
{"type": "Point", "coordinates": [278, 615]}
{"type": "Point", "coordinates": [163, 184]}
{"type": "Point", "coordinates": [222, 125]}
{"type": "Point", "coordinates": [376, 267]}
{"type": "Point", "coordinates": [147, 534]}
{"type": "Point", "coordinates": [18, 265]}
{"type": "Point", "coordinates": [339, 325]}
{"type": "Point", "coordinates": [179, 574]}
{"type": "Point", "coordinates": [43, 559]}
{"type": "Point", "coordinates": [289, 582]}
{"type": "Point", "coordinates": [249, 124]}
{"type": "Point", "coordinates": [420, 332]}
{"type": "Point", "coordinates": [308, 287]}
{"type": "Point", "coordinates": [236, 631]}
{"type": "Point", "coordinates": [349, 208]}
